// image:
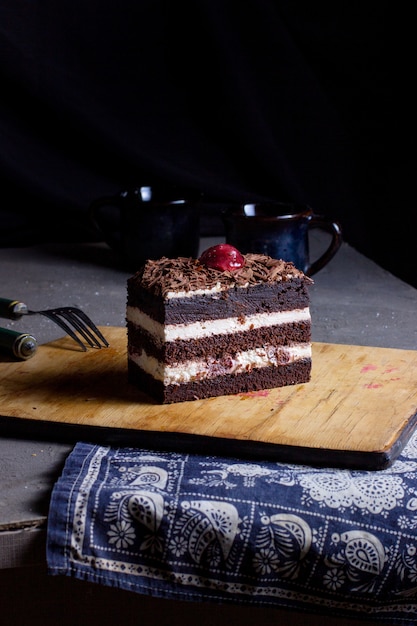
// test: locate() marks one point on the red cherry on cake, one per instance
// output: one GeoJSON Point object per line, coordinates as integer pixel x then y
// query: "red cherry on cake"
{"type": "Point", "coordinates": [223, 257]}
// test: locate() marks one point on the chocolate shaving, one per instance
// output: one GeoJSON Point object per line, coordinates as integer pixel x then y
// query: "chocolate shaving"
{"type": "Point", "coordinates": [187, 274]}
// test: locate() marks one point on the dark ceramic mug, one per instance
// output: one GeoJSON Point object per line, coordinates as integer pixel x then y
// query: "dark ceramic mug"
{"type": "Point", "coordinates": [148, 223]}
{"type": "Point", "coordinates": [280, 230]}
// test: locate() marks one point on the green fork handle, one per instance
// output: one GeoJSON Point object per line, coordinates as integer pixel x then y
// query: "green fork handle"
{"type": "Point", "coordinates": [12, 309]}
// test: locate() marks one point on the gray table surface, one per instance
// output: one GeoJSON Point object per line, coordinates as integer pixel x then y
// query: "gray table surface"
{"type": "Point", "coordinates": [353, 301]}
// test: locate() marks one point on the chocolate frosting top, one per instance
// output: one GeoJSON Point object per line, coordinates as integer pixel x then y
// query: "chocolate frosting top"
{"type": "Point", "coordinates": [187, 274]}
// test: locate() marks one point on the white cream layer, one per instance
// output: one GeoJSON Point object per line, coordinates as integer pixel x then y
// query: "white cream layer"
{"type": "Point", "coordinates": [241, 362]}
{"type": "Point", "coordinates": [197, 330]}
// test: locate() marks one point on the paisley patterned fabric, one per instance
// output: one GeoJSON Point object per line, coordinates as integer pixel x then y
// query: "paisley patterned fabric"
{"type": "Point", "coordinates": [226, 530]}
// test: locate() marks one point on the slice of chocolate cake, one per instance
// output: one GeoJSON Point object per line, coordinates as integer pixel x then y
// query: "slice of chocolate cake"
{"type": "Point", "coordinates": [222, 324]}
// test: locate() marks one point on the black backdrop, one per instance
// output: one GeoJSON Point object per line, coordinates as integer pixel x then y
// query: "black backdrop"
{"type": "Point", "coordinates": [256, 99]}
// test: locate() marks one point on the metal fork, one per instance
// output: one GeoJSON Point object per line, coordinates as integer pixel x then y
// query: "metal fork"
{"type": "Point", "coordinates": [70, 319]}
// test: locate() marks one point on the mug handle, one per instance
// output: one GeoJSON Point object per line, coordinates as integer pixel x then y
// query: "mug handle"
{"type": "Point", "coordinates": [334, 229]}
{"type": "Point", "coordinates": [108, 224]}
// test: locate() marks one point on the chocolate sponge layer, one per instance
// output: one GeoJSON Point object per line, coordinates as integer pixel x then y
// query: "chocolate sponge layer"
{"type": "Point", "coordinates": [239, 301]}
{"type": "Point", "coordinates": [214, 346]}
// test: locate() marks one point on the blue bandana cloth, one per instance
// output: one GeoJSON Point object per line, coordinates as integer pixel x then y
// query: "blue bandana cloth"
{"type": "Point", "coordinates": [207, 528]}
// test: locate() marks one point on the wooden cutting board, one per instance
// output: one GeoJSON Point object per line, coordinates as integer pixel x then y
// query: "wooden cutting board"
{"type": "Point", "coordinates": [358, 410]}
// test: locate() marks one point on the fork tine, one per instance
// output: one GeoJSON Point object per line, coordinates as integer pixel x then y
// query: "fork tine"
{"type": "Point", "coordinates": [91, 325]}
{"type": "Point", "coordinates": [54, 318]}
{"type": "Point", "coordinates": [81, 323]}
{"type": "Point", "coordinates": [72, 318]}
